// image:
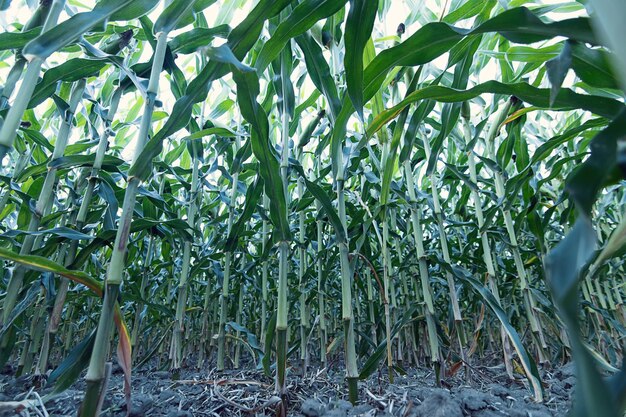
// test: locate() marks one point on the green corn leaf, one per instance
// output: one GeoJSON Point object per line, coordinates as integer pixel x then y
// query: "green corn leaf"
{"type": "Point", "coordinates": [156, 227]}
{"type": "Point", "coordinates": [303, 17]}
{"type": "Point", "coordinates": [224, 55]}
{"type": "Point", "coordinates": [142, 168]}
{"type": "Point", "coordinates": [176, 11]}
{"type": "Point", "coordinates": [391, 163]}
{"type": "Point", "coordinates": [17, 40]}
{"type": "Point", "coordinates": [557, 70]}
{"type": "Point", "coordinates": [307, 133]}
{"type": "Point", "coordinates": [269, 335]}
{"type": "Point", "coordinates": [179, 14]}
{"type": "Point", "coordinates": [462, 54]}
{"type": "Point", "coordinates": [240, 41]}
{"type": "Point", "coordinates": [319, 72]}
{"type": "Point", "coordinates": [190, 41]}
{"type": "Point", "coordinates": [253, 195]}
{"type": "Point", "coordinates": [467, 10]}
{"type": "Point", "coordinates": [326, 203]}
{"type": "Point", "coordinates": [283, 87]}
{"type": "Point", "coordinates": [72, 366]}
{"type": "Point", "coordinates": [359, 26]}
{"type": "Point", "coordinates": [110, 163]}
{"type": "Point", "coordinates": [69, 71]}
{"type": "Point", "coordinates": [134, 10]}
{"type": "Point", "coordinates": [37, 138]}
{"type": "Point", "coordinates": [563, 267]}
{"type": "Point", "coordinates": [539, 97]}
{"type": "Point", "coordinates": [600, 168]}
{"type": "Point", "coordinates": [593, 66]}
{"type": "Point", "coordinates": [529, 365]}
{"type": "Point", "coordinates": [221, 131]}
{"type": "Point", "coordinates": [252, 342]}
{"type": "Point", "coordinates": [153, 350]}
{"type": "Point", "coordinates": [68, 31]}
{"type": "Point", "coordinates": [436, 38]}
{"type": "Point", "coordinates": [269, 167]}
{"type": "Point", "coordinates": [433, 39]}
{"type": "Point", "coordinates": [25, 302]}
{"type": "Point", "coordinates": [64, 232]}
{"type": "Point", "coordinates": [371, 365]}
{"type": "Point", "coordinates": [39, 263]}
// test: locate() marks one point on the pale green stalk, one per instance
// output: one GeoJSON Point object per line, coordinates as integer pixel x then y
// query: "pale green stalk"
{"type": "Point", "coordinates": [370, 303]}
{"type": "Point", "coordinates": [387, 285]}
{"type": "Point", "coordinates": [352, 372]}
{"type": "Point", "coordinates": [487, 253]}
{"type": "Point", "coordinates": [147, 261]}
{"type": "Point", "coordinates": [616, 241]}
{"type": "Point", "coordinates": [43, 205]}
{"type": "Point", "coordinates": [403, 288]}
{"type": "Point", "coordinates": [522, 275]}
{"type": "Point", "coordinates": [228, 257]}
{"type": "Point", "coordinates": [238, 316]}
{"type": "Point", "coordinates": [427, 292]}
{"type": "Point", "coordinates": [264, 270]}
{"type": "Point", "coordinates": [321, 299]}
{"type": "Point", "coordinates": [304, 317]}
{"type": "Point", "coordinates": [145, 277]}
{"type": "Point", "coordinates": [443, 242]}
{"type": "Point", "coordinates": [40, 15]}
{"type": "Point", "coordinates": [59, 302]}
{"type": "Point", "coordinates": [205, 324]}
{"type": "Point", "coordinates": [96, 372]}
{"type": "Point", "coordinates": [177, 336]}
{"type": "Point", "coordinates": [283, 255]}
{"type": "Point", "coordinates": [12, 78]}
{"type": "Point", "coordinates": [370, 289]}
{"type": "Point", "coordinates": [377, 107]}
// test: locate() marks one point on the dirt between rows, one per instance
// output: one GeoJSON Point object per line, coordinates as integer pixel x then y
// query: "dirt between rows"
{"type": "Point", "coordinates": [318, 393]}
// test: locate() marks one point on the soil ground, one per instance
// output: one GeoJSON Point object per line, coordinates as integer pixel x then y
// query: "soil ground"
{"type": "Point", "coordinates": [319, 393]}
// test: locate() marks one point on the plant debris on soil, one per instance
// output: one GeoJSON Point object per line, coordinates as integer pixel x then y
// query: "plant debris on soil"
{"type": "Point", "coordinates": [318, 393]}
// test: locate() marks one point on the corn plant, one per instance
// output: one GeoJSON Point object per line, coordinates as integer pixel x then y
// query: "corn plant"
{"type": "Point", "coordinates": [269, 183]}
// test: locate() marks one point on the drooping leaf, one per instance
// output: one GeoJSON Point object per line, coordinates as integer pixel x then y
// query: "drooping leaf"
{"type": "Point", "coordinates": [240, 41]}
{"type": "Point", "coordinates": [197, 38]}
{"type": "Point", "coordinates": [593, 66]}
{"type": "Point", "coordinates": [319, 71]}
{"type": "Point", "coordinates": [25, 302]}
{"type": "Point", "coordinates": [529, 365]}
{"type": "Point", "coordinates": [539, 97]}
{"type": "Point", "coordinates": [302, 17]}
{"type": "Point", "coordinates": [252, 197]}
{"type": "Point", "coordinates": [563, 267]}
{"type": "Point", "coordinates": [557, 70]}
{"type": "Point", "coordinates": [326, 203]}
{"type": "Point", "coordinates": [173, 13]}
{"type": "Point", "coordinates": [68, 371]}
{"type": "Point", "coordinates": [434, 39]}
{"type": "Point", "coordinates": [600, 168]}
{"type": "Point", "coordinates": [269, 167]}
{"type": "Point", "coordinates": [359, 26]}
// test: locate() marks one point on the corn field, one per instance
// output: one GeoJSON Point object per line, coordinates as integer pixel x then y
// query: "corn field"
{"type": "Point", "coordinates": [289, 187]}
